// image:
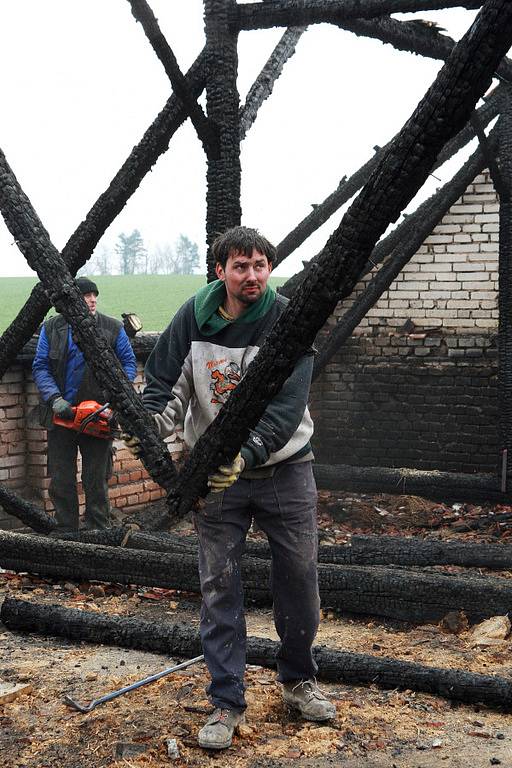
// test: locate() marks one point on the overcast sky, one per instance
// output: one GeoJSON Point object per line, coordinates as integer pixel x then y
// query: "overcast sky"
{"type": "Point", "coordinates": [80, 84]}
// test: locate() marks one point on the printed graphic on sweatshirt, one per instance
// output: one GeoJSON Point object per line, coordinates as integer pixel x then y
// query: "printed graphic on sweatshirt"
{"type": "Point", "coordinates": [225, 379]}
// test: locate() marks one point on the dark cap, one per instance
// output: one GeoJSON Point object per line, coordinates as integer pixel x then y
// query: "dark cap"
{"type": "Point", "coordinates": [86, 285]}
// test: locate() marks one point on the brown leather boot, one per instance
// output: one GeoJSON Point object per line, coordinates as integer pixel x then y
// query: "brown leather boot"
{"type": "Point", "coordinates": [307, 697]}
{"type": "Point", "coordinates": [217, 732]}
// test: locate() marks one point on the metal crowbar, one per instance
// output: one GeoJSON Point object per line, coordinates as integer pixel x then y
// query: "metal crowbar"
{"type": "Point", "coordinates": [109, 696]}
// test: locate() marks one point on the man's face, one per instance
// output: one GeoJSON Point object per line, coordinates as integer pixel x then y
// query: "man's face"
{"type": "Point", "coordinates": [91, 300]}
{"type": "Point", "coordinates": [245, 277]}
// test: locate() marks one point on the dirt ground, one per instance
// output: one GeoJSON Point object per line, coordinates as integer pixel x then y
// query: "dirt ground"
{"type": "Point", "coordinates": [373, 727]}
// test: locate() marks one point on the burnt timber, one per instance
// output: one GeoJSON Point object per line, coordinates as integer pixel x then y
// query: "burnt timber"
{"type": "Point", "coordinates": [403, 594]}
{"type": "Point", "coordinates": [181, 640]}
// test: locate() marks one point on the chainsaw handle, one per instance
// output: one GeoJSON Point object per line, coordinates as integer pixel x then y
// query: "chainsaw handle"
{"type": "Point", "coordinates": [92, 417]}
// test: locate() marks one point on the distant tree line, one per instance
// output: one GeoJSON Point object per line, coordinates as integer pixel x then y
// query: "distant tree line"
{"type": "Point", "coordinates": [131, 257]}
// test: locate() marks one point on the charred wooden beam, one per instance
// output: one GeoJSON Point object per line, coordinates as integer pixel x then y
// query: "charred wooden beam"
{"type": "Point", "coordinates": [403, 594]}
{"type": "Point", "coordinates": [412, 232]}
{"type": "Point", "coordinates": [110, 203]}
{"type": "Point", "coordinates": [433, 484]}
{"type": "Point", "coordinates": [443, 112]}
{"type": "Point", "coordinates": [35, 244]}
{"type": "Point", "coordinates": [399, 550]}
{"type": "Point", "coordinates": [223, 175]}
{"type": "Point", "coordinates": [347, 188]}
{"type": "Point", "coordinates": [282, 13]}
{"type": "Point", "coordinates": [505, 289]}
{"type": "Point", "coordinates": [361, 550]}
{"type": "Point", "coordinates": [264, 83]}
{"type": "Point", "coordinates": [183, 640]}
{"type": "Point", "coordinates": [29, 514]}
{"type": "Point", "coordinates": [414, 38]}
{"type": "Point", "coordinates": [145, 16]}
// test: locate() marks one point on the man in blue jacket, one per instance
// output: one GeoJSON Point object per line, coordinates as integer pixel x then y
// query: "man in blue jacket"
{"type": "Point", "coordinates": [197, 362]}
{"type": "Point", "coordinates": [64, 379]}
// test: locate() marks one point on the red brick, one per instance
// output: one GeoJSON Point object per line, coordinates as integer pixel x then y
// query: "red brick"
{"type": "Point", "coordinates": [144, 498]}
{"type": "Point", "coordinates": [12, 461]}
{"type": "Point", "coordinates": [36, 446]}
{"type": "Point", "coordinates": [36, 458]}
{"type": "Point", "coordinates": [135, 475]}
{"type": "Point", "coordinates": [131, 464]}
{"type": "Point", "coordinates": [6, 400]}
{"type": "Point", "coordinates": [132, 500]}
{"type": "Point", "coordinates": [123, 479]}
{"type": "Point", "coordinates": [154, 495]}
{"type": "Point", "coordinates": [37, 471]}
{"type": "Point", "coordinates": [16, 472]}
{"type": "Point", "coordinates": [11, 434]}
{"type": "Point", "coordinates": [16, 448]}
{"type": "Point", "coordinates": [14, 412]}
{"type": "Point", "coordinates": [112, 480]}
{"type": "Point", "coordinates": [135, 488]}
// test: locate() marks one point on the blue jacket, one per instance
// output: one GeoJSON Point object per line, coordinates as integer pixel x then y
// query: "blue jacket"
{"type": "Point", "coordinates": [48, 360]}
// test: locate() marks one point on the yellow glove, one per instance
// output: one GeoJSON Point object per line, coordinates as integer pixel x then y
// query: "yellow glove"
{"type": "Point", "coordinates": [226, 475]}
{"type": "Point", "coordinates": [132, 443]}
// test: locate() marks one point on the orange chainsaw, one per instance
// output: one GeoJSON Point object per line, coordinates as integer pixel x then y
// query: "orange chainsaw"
{"type": "Point", "coordinates": [91, 418]}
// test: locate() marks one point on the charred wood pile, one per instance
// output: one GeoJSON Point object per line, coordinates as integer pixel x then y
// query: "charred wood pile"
{"type": "Point", "coordinates": [369, 577]}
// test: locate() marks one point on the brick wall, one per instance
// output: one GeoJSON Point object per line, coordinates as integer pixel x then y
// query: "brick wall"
{"type": "Point", "coordinates": [452, 281]}
{"type": "Point", "coordinates": [12, 432]}
{"type": "Point", "coordinates": [23, 453]}
{"type": "Point", "coordinates": [426, 398]}
{"type": "Point", "coordinates": [402, 401]}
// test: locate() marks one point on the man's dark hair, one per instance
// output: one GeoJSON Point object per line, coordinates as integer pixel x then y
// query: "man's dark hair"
{"type": "Point", "coordinates": [241, 240]}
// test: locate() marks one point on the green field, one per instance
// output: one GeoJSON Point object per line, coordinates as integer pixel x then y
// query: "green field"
{"type": "Point", "coordinates": [155, 298]}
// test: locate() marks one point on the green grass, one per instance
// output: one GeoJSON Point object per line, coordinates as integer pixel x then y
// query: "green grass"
{"type": "Point", "coordinates": [155, 298]}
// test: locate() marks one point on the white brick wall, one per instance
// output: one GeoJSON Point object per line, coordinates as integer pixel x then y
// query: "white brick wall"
{"type": "Point", "coordinates": [452, 281]}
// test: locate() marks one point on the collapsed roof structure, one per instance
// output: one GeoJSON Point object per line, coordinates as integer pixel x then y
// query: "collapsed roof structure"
{"type": "Point", "coordinates": [444, 121]}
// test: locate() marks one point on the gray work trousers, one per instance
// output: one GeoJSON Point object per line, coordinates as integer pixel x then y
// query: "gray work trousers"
{"type": "Point", "coordinates": [63, 446]}
{"type": "Point", "coordinates": [284, 507]}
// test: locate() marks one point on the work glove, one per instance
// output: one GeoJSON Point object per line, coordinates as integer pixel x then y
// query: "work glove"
{"type": "Point", "coordinates": [132, 443]}
{"type": "Point", "coordinates": [226, 475]}
{"type": "Point", "coordinates": [62, 408]}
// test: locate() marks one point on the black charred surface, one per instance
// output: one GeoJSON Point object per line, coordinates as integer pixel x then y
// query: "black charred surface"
{"type": "Point", "coordinates": [29, 514]}
{"type": "Point", "coordinates": [183, 641]}
{"type": "Point", "coordinates": [505, 282]}
{"type": "Point", "coordinates": [223, 175]}
{"type": "Point", "coordinates": [443, 112]}
{"type": "Point", "coordinates": [263, 86]}
{"type": "Point", "coordinates": [410, 235]}
{"type": "Point", "coordinates": [143, 13]}
{"type": "Point", "coordinates": [43, 257]}
{"type": "Point", "coordinates": [347, 188]}
{"type": "Point", "coordinates": [395, 593]}
{"type": "Point", "coordinates": [362, 550]}
{"type": "Point", "coordinates": [413, 38]}
{"type": "Point", "coordinates": [110, 203]}
{"type": "Point", "coordinates": [387, 550]}
{"type": "Point", "coordinates": [433, 484]}
{"type": "Point", "coordinates": [122, 536]}
{"type": "Point", "coordinates": [281, 13]}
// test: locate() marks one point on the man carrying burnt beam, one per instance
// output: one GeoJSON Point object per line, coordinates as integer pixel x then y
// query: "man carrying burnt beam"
{"type": "Point", "coordinates": [196, 364]}
{"type": "Point", "coordinates": [64, 379]}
